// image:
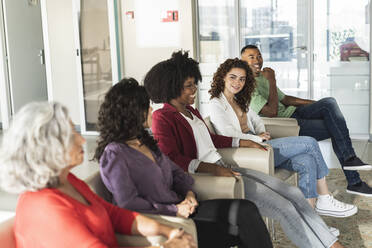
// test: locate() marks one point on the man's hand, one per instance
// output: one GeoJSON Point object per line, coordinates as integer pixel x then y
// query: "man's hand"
{"type": "Point", "coordinates": [269, 74]}
{"type": "Point", "coordinates": [265, 136]}
{"type": "Point", "coordinates": [252, 144]}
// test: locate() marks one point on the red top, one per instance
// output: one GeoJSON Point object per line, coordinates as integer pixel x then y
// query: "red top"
{"type": "Point", "coordinates": [50, 218]}
{"type": "Point", "coordinates": [176, 138]}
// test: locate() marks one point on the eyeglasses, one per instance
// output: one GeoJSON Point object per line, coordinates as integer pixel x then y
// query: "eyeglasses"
{"type": "Point", "coordinates": [190, 86]}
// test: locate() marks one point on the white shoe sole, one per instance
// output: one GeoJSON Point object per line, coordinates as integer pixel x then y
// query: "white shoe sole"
{"type": "Point", "coordinates": [354, 168]}
{"type": "Point", "coordinates": [358, 193]}
{"type": "Point", "coordinates": [344, 214]}
{"type": "Point", "coordinates": [335, 231]}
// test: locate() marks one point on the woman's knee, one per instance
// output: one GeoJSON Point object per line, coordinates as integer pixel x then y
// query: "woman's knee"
{"type": "Point", "coordinates": [309, 141]}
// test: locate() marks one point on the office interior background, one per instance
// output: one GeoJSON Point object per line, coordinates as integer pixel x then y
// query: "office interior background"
{"type": "Point", "coordinates": [73, 51]}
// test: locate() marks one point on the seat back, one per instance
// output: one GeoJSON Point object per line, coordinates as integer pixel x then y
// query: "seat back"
{"type": "Point", "coordinates": [209, 124]}
{"type": "Point", "coordinates": [96, 184]}
{"type": "Point", "coordinates": [7, 239]}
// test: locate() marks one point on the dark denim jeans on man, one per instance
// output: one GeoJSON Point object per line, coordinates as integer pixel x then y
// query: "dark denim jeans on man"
{"type": "Point", "coordinates": [322, 120]}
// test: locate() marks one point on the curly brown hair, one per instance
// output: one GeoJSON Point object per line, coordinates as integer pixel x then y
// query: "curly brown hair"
{"type": "Point", "coordinates": [122, 114]}
{"type": "Point", "coordinates": [165, 80]}
{"type": "Point", "coordinates": [243, 98]}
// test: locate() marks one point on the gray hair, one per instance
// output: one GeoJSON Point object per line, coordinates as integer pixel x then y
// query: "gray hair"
{"type": "Point", "coordinates": [35, 149]}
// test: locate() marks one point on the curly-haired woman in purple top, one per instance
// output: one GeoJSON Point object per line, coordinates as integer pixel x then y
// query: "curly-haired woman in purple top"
{"type": "Point", "coordinates": [141, 178]}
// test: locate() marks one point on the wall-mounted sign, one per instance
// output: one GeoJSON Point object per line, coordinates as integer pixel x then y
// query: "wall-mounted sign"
{"type": "Point", "coordinates": [171, 16]}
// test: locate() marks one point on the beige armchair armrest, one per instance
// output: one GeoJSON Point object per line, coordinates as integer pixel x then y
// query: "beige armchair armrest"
{"type": "Point", "coordinates": [209, 187]}
{"type": "Point", "coordinates": [132, 240]}
{"type": "Point", "coordinates": [279, 121]}
{"type": "Point", "coordinates": [250, 158]}
{"type": "Point", "coordinates": [281, 127]}
{"type": "Point", "coordinates": [280, 131]}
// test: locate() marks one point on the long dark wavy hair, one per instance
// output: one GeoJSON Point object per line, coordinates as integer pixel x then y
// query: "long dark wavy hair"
{"type": "Point", "coordinates": [122, 115]}
{"type": "Point", "coordinates": [165, 80]}
{"type": "Point", "coordinates": [243, 98]}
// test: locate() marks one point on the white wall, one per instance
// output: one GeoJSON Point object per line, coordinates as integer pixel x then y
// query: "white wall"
{"type": "Point", "coordinates": [137, 59]}
{"type": "Point", "coordinates": [62, 56]}
{"type": "Point", "coordinates": [147, 40]}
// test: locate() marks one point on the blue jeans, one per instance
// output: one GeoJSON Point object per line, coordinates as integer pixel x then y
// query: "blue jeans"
{"type": "Point", "coordinates": [322, 120]}
{"type": "Point", "coordinates": [286, 204]}
{"type": "Point", "coordinates": [301, 154]}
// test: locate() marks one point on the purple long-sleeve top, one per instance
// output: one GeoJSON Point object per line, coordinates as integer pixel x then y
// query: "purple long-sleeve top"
{"type": "Point", "coordinates": [139, 184]}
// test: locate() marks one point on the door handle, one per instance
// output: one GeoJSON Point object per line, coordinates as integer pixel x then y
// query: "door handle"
{"type": "Point", "coordinates": [303, 48]}
{"type": "Point", "coordinates": [41, 56]}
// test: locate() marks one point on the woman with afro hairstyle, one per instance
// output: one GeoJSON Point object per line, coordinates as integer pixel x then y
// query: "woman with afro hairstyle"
{"type": "Point", "coordinates": [231, 90]}
{"type": "Point", "coordinates": [183, 136]}
{"type": "Point", "coordinates": [141, 178]}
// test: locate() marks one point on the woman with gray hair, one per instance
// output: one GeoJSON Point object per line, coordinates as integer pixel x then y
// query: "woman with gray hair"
{"type": "Point", "coordinates": [55, 208]}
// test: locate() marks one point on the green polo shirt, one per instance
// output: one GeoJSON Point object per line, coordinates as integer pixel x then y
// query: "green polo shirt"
{"type": "Point", "coordinates": [261, 94]}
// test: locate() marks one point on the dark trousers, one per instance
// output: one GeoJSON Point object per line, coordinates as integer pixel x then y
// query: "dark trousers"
{"type": "Point", "coordinates": [224, 223]}
{"type": "Point", "coordinates": [322, 120]}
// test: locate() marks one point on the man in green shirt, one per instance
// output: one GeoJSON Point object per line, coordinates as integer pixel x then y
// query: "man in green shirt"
{"type": "Point", "coordinates": [319, 119]}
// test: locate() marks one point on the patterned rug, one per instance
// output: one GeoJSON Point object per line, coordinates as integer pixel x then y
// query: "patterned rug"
{"type": "Point", "coordinates": [355, 231]}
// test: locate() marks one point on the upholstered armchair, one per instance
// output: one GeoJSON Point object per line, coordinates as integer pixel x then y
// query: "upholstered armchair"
{"type": "Point", "coordinates": [281, 127]}
{"type": "Point", "coordinates": [262, 161]}
{"type": "Point", "coordinates": [206, 187]}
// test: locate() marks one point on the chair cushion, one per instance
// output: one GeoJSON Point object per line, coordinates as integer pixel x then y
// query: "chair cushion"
{"type": "Point", "coordinates": [96, 184]}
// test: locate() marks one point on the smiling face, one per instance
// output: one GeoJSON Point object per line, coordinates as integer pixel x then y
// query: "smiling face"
{"type": "Point", "coordinates": [76, 151]}
{"type": "Point", "coordinates": [234, 81]}
{"type": "Point", "coordinates": [188, 93]}
{"type": "Point", "coordinates": [254, 59]}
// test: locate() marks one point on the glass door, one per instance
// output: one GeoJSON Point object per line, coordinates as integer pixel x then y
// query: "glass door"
{"type": "Point", "coordinates": [217, 34]}
{"type": "Point", "coordinates": [279, 28]}
{"type": "Point", "coordinates": [341, 58]}
{"type": "Point", "coordinates": [96, 56]}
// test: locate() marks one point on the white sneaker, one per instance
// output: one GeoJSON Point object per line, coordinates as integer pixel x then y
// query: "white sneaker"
{"type": "Point", "coordinates": [327, 205]}
{"type": "Point", "coordinates": [334, 231]}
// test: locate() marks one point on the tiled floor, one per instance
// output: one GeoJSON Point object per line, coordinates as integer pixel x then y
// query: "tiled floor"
{"type": "Point", "coordinates": [362, 147]}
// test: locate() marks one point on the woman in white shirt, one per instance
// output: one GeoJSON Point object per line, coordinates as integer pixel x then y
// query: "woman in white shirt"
{"type": "Point", "coordinates": [231, 90]}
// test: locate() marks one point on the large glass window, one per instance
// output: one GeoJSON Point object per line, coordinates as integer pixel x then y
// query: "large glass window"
{"type": "Point", "coordinates": [341, 58]}
{"type": "Point", "coordinates": [217, 32]}
{"type": "Point", "coordinates": [217, 41]}
{"type": "Point", "coordinates": [95, 57]}
{"type": "Point", "coordinates": [278, 28]}
{"type": "Point", "coordinates": [325, 54]}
